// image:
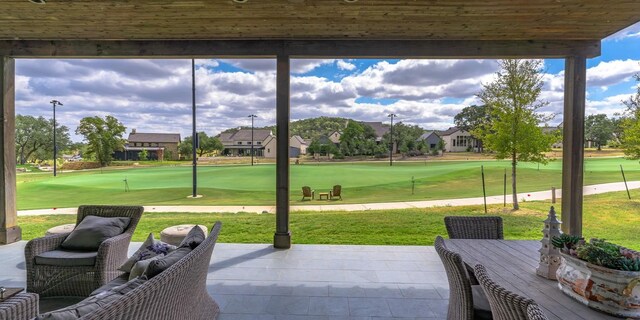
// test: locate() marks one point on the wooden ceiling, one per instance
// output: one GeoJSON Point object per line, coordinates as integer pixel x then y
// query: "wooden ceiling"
{"type": "Point", "coordinates": [316, 19]}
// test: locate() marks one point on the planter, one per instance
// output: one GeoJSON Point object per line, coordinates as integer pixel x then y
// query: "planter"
{"type": "Point", "coordinates": [612, 291]}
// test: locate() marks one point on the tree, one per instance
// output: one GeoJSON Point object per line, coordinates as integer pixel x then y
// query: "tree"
{"type": "Point", "coordinates": [405, 137]}
{"type": "Point", "coordinates": [599, 129]}
{"type": "Point", "coordinates": [143, 155]}
{"type": "Point", "coordinates": [514, 132]}
{"type": "Point", "coordinates": [206, 145]}
{"type": "Point", "coordinates": [631, 125]}
{"type": "Point", "coordinates": [103, 136]}
{"type": "Point", "coordinates": [357, 139]}
{"type": "Point", "coordinates": [473, 118]}
{"type": "Point", "coordinates": [34, 138]}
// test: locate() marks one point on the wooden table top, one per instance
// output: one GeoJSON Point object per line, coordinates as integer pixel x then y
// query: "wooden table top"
{"type": "Point", "coordinates": [512, 264]}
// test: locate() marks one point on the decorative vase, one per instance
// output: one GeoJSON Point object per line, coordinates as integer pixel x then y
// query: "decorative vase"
{"type": "Point", "coordinates": [615, 292]}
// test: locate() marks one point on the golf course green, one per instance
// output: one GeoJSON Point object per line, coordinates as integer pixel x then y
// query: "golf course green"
{"type": "Point", "coordinates": [362, 182]}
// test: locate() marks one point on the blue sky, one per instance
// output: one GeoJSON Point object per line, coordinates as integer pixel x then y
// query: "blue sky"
{"type": "Point", "coordinates": [155, 95]}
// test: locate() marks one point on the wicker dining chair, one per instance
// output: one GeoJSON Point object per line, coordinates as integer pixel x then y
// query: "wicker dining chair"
{"type": "Point", "coordinates": [466, 302]}
{"type": "Point", "coordinates": [81, 280]}
{"type": "Point", "coordinates": [506, 305]}
{"type": "Point", "coordinates": [471, 227]}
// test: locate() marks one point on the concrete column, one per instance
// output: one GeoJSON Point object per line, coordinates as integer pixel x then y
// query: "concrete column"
{"type": "Point", "coordinates": [282, 237]}
{"type": "Point", "coordinates": [573, 144]}
{"type": "Point", "coordinates": [9, 230]}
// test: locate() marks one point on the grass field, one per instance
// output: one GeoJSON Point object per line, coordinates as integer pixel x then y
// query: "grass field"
{"type": "Point", "coordinates": [610, 216]}
{"type": "Point", "coordinates": [246, 185]}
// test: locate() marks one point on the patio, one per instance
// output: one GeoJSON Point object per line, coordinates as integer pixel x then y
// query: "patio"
{"type": "Point", "coordinates": [256, 281]}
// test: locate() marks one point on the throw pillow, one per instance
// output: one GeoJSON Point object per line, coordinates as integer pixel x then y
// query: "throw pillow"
{"type": "Point", "coordinates": [149, 249]}
{"type": "Point", "coordinates": [92, 231]}
{"type": "Point", "coordinates": [193, 238]}
{"type": "Point", "coordinates": [157, 266]}
{"type": "Point", "coordinates": [140, 266]}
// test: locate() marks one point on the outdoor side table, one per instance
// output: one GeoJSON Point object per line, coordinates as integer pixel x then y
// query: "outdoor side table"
{"type": "Point", "coordinates": [324, 194]}
{"type": "Point", "coordinates": [22, 306]}
{"type": "Point", "coordinates": [174, 235]}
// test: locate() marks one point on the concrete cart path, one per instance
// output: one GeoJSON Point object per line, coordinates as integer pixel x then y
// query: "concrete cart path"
{"type": "Point", "coordinates": [316, 205]}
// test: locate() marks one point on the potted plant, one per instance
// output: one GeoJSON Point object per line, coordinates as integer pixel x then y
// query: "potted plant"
{"type": "Point", "coordinates": [600, 274]}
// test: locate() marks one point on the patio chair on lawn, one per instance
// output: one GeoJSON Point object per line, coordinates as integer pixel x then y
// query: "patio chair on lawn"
{"type": "Point", "coordinates": [506, 305]}
{"type": "Point", "coordinates": [307, 193]}
{"type": "Point", "coordinates": [336, 192]}
{"type": "Point", "coordinates": [466, 301]}
{"type": "Point", "coordinates": [76, 263]}
{"type": "Point", "coordinates": [469, 227]}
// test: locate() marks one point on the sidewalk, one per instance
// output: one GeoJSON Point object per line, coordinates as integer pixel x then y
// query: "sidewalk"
{"type": "Point", "coordinates": [531, 196]}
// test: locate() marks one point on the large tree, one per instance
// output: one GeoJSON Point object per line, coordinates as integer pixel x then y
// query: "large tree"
{"type": "Point", "coordinates": [357, 139]}
{"type": "Point", "coordinates": [405, 137]}
{"type": "Point", "coordinates": [103, 137]}
{"type": "Point", "coordinates": [206, 145]}
{"type": "Point", "coordinates": [631, 125]}
{"type": "Point", "coordinates": [473, 118]}
{"type": "Point", "coordinates": [514, 132]}
{"type": "Point", "coordinates": [598, 128]}
{"type": "Point", "coordinates": [34, 138]}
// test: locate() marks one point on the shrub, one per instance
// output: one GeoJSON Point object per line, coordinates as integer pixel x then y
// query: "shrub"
{"type": "Point", "coordinates": [80, 165]}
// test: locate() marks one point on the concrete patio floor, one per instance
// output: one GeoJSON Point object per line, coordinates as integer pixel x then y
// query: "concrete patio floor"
{"type": "Point", "coordinates": [309, 282]}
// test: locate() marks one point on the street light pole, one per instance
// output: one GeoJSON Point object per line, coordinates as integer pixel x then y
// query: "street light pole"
{"type": "Point", "coordinates": [391, 115]}
{"type": "Point", "coordinates": [252, 116]}
{"type": "Point", "coordinates": [55, 147]}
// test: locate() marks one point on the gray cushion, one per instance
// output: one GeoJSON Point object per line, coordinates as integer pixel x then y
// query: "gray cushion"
{"type": "Point", "coordinates": [157, 266]}
{"type": "Point", "coordinates": [140, 266]}
{"type": "Point", "coordinates": [66, 258]}
{"type": "Point", "coordinates": [92, 231]}
{"type": "Point", "coordinates": [111, 284]}
{"type": "Point", "coordinates": [481, 307]}
{"type": "Point", "coordinates": [193, 238]}
{"type": "Point", "coordinates": [150, 248]}
{"type": "Point", "coordinates": [92, 303]}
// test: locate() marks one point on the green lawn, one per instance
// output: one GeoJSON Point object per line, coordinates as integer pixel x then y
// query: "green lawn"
{"type": "Point", "coordinates": [610, 216]}
{"type": "Point", "coordinates": [247, 185]}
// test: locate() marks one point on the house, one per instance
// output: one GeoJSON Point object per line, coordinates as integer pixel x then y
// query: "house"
{"type": "Point", "coordinates": [380, 128]}
{"type": "Point", "coordinates": [457, 140]}
{"type": "Point", "coordinates": [297, 146]}
{"type": "Point", "coordinates": [158, 146]}
{"type": "Point", "coordinates": [238, 143]}
{"type": "Point", "coordinates": [335, 137]}
{"type": "Point", "coordinates": [431, 138]}
{"type": "Point", "coordinates": [558, 144]}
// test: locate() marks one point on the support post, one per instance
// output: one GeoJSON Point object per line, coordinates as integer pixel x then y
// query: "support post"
{"type": "Point", "coordinates": [573, 144]}
{"type": "Point", "coordinates": [282, 237]}
{"type": "Point", "coordinates": [9, 230]}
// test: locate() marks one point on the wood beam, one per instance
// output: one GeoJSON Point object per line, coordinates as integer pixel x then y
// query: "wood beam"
{"type": "Point", "coordinates": [397, 49]}
{"type": "Point", "coordinates": [282, 237]}
{"type": "Point", "coordinates": [575, 75]}
{"type": "Point", "coordinates": [9, 230]}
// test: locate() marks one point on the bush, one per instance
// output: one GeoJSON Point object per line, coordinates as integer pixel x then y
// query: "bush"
{"type": "Point", "coordinates": [338, 155]}
{"type": "Point", "coordinates": [80, 165]}
{"type": "Point", "coordinates": [435, 152]}
{"type": "Point", "coordinates": [414, 153]}
{"type": "Point", "coordinates": [380, 155]}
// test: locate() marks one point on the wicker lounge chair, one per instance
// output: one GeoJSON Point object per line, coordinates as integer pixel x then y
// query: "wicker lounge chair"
{"type": "Point", "coordinates": [474, 227]}
{"type": "Point", "coordinates": [80, 279]}
{"type": "Point", "coordinates": [506, 305]}
{"type": "Point", "coordinates": [307, 193]}
{"type": "Point", "coordinates": [178, 293]}
{"type": "Point", "coordinates": [466, 302]}
{"type": "Point", "coordinates": [336, 192]}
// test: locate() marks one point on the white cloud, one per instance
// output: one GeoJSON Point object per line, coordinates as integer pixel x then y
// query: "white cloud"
{"type": "Point", "coordinates": [344, 65]}
{"type": "Point", "coordinates": [632, 31]}
{"type": "Point", "coordinates": [608, 73]}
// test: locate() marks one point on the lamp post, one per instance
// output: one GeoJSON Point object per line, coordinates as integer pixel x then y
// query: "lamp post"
{"type": "Point", "coordinates": [252, 116]}
{"type": "Point", "coordinates": [391, 115]}
{"type": "Point", "coordinates": [55, 147]}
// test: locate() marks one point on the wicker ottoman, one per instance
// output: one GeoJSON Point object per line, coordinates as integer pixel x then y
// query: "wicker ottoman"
{"type": "Point", "coordinates": [22, 306]}
{"type": "Point", "coordinates": [174, 235]}
{"type": "Point", "coordinates": [65, 228]}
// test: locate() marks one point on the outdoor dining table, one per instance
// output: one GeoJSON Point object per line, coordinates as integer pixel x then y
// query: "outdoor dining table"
{"type": "Point", "coordinates": [512, 264]}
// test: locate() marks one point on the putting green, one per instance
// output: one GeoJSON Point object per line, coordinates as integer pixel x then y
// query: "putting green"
{"type": "Point", "coordinates": [247, 185]}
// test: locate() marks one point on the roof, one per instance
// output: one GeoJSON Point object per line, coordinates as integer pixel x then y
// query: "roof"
{"type": "Point", "coordinates": [245, 135]}
{"type": "Point", "coordinates": [299, 138]}
{"type": "Point", "coordinates": [427, 134]}
{"type": "Point", "coordinates": [154, 137]}
{"type": "Point", "coordinates": [379, 127]}
{"type": "Point", "coordinates": [308, 19]}
{"type": "Point", "coordinates": [448, 132]}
